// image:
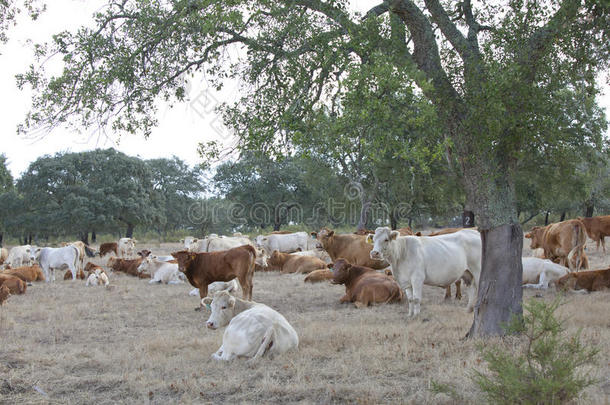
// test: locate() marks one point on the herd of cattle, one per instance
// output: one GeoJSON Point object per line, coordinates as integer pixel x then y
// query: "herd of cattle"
{"type": "Point", "coordinates": [384, 266]}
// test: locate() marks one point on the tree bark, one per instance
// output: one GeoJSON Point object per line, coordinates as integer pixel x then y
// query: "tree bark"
{"type": "Point", "coordinates": [93, 236]}
{"type": "Point", "coordinates": [393, 220]}
{"type": "Point", "coordinates": [129, 232]}
{"type": "Point", "coordinates": [468, 219]}
{"type": "Point", "coordinates": [84, 237]}
{"type": "Point", "coordinates": [500, 291]}
{"type": "Point", "coordinates": [1, 237]}
{"type": "Point", "coordinates": [563, 216]}
{"type": "Point", "coordinates": [546, 218]}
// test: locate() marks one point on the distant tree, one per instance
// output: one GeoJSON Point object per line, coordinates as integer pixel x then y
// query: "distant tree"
{"type": "Point", "coordinates": [176, 187]}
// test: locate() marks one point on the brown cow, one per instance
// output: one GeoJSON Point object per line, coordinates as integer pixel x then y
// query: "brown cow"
{"type": "Point", "coordinates": [106, 248]}
{"type": "Point", "coordinates": [288, 263]}
{"type": "Point", "coordinates": [564, 241]}
{"type": "Point", "coordinates": [80, 275]}
{"type": "Point", "coordinates": [14, 284]}
{"type": "Point", "coordinates": [405, 231]}
{"type": "Point", "coordinates": [127, 266]}
{"type": "Point", "coordinates": [202, 269]}
{"type": "Point", "coordinates": [365, 286]}
{"type": "Point", "coordinates": [317, 276]}
{"type": "Point", "coordinates": [352, 248]}
{"type": "Point", "coordinates": [595, 280]}
{"type": "Point", "coordinates": [597, 229]}
{"type": "Point", "coordinates": [92, 267]}
{"type": "Point", "coordinates": [27, 273]}
{"type": "Point", "coordinates": [4, 294]}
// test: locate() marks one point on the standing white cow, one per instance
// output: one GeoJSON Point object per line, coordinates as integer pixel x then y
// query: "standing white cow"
{"type": "Point", "coordinates": [57, 258]}
{"type": "Point", "coordinates": [284, 243]}
{"type": "Point", "coordinates": [254, 329]}
{"type": "Point", "coordinates": [538, 273]}
{"type": "Point", "coordinates": [438, 261]}
{"type": "Point", "coordinates": [19, 256]}
{"type": "Point", "coordinates": [160, 271]}
{"type": "Point", "coordinates": [126, 247]}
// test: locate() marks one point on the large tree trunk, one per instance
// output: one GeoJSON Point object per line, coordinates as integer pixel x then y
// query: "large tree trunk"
{"type": "Point", "coordinates": [563, 216]}
{"type": "Point", "coordinates": [393, 220]}
{"type": "Point", "coordinates": [84, 237]}
{"type": "Point", "coordinates": [129, 232]}
{"type": "Point", "coordinates": [546, 218]}
{"type": "Point", "coordinates": [500, 291]}
{"type": "Point", "coordinates": [93, 236]}
{"type": "Point", "coordinates": [1, 237]}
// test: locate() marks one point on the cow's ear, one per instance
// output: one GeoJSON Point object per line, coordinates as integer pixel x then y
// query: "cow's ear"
{"type": "Point", "coordinates": [528, 235]}
{"type": "Point", "coordinates": [232, 302]}
{"type": "Point", "coordinates": [394, 235]}
{"type": "Point", "coordinates": [174, 255]}
{"type": "Point", "coordinates": [418, 233]}
{"type": "Point", "coordinates": [206, 302]}
{"type": "Point", "coordinates": [314, 234]}
{"type": "Point", "coordinates": [331, 233]}
{"type": "Point", "coordinates": [369, 238]}
{"type": "Point", "coordinates": [192, 256]}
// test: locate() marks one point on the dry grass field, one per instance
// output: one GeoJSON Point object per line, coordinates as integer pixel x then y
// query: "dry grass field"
{"type": "Point", "coordinates": [140, 343]}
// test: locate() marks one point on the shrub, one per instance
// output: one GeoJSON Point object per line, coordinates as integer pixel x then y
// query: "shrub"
{"type": "Point", "coordinates": [546, 369]}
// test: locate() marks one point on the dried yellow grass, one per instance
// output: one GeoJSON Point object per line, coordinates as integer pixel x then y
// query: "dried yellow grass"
{"type": "Point", "coordinates": [141, 343]}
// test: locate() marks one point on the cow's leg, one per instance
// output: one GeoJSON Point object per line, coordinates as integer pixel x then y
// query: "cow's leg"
{"type": "Point", "coordinates": [458, 290]}
{"type": "Point", "coordinates": [448, 292]}
{"type": "Point", "coordinates": [409, 293]}
{"type": "Point", "coordinates": [73, 270]}
{"type": "Point", "coordinates": [418, 286]}
{"type": "Point", "coordinates": [45, 269]}
{"type": "Point", "coordinates": [203, 292]}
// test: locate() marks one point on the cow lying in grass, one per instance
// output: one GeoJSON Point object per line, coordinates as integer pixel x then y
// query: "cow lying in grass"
{"type": "Point", "coordinates": [583, 281]}
{"type": "Point", "coordinates": [364, 286]}
{"type": "Point", "coordinates": [254, 329]}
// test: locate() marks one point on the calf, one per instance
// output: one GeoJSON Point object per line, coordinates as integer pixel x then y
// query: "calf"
{"type": "Point", "coordinates": [232, 287]}
{"type": "Point", "coordinates": [127, 266]}
{"type": "Point", "coordinates": [14, 284]}
{"type": "Point", "coordinates": [126, 247]}
{"type": "Point", "coordinates": [364, 286]}
{"type": "Point", "coordinates": [109, 247]}
{"type": "Point", "coordinates": [201, 269]}
{"type": "Point", "coordinates": [160, 272]}
{"type": "Point", "coordinates": [288, 263]}
{"type": "Point", "coordinates": [595, 280]}
{"type": "Point", "coordinates": [319, 253]}
{"type": "Point", "coordinates": [97, 277]}
{"type": "Point", "coordinates": [317, 276]}
{"type": "Point", "coordinates": [27, 273]}
{"type": "Point", "coordinates": [597, 228]}
{"type": "Point", "coordinates": [254, 329]}
{"type": "Point", "coordinates": [19, 256]}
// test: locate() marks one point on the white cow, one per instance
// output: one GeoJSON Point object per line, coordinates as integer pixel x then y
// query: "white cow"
{"type": "Point", "coordinates": [126, 247]}
{"type": "Point", "coordinates": [232, 287]}
{"type": "Point", "coordinates": [254, 329]}
{"type": "Point", "coordinates": [160, 271]}
{"type": "Point", "coordinates": [438, 260]}
{"type": "Point", "coordinates": [285, 243]}
{"type": "Point", "coordinates": [188, 241]}
{"type": "Point", "coordinates": [538, 273]}
{"type": "Point", "coordinates": [57, 258]}
{"type": "Point", "coordinates": [98, 277]}
{"type": "Point", "coordinates": [19, 256]}
{"type": "Point", "coordinates": [215, 243]}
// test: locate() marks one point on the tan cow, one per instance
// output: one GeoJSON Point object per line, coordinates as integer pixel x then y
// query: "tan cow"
{"type": "Point", "coordinates": [4, 294]}
{"type": "Point", "coordinates": [14, 284]}
{"type": "Point", "coordinates": [202, 269]}
{"type": "Point", "coordinates": [352, 248]}
{"type": "Point", "coordinates": [127, 266]}
{"type": "Point", "coordinates": [109, 247]}
{"type": "Point", "coordinates": [288, 263]}
{"type": "Point", "coordinates": [597, 229]}
{"type": "Point", "coordinates": [595, 280]}
{"type": "Point", "coordinates": [564, 241]}
{"type": "Point", "coordinates": [27, 273]}
{"type": "Point", "coordinates": [317, 276]}
{"type": "Point", "coordinates": [364, 286]}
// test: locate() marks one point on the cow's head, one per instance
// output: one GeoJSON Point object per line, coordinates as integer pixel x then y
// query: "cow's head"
{"type": "Point", "coordinates": [184, 258]}
{"type": "Point", "coordinates": [340, 269]}
{"type": "Point", "coordinates": [261, 258]}
{"type": "Point", "coordinates": [146, 263]}
{"type": "Point", "coordinates": [381, 242]}
{"type": "Point", "coordinates": [535, 235]}
{"type": "Point", "coordinates": [222, 309]}
{"type": "Point", "coordinates": [275, 259]}
{"type": "Point", "coordinates": [567, 282]}
{"type": "Point", "coordinates": [34, 254]}
{"type": "Point", "coordinates": [324, 237]}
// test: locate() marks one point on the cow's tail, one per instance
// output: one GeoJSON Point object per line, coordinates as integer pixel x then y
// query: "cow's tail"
{"type": "Point", "coordinates": [77, 261]}
{"type": "Point", "coordinates": [252, 262]}
{"type": "Point", "coordinates": [266, 343]}
{"type": "Point", "coordinates": [579, 238]}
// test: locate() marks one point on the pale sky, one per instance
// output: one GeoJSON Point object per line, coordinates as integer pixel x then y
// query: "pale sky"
{"type": "Point", "coordinates": [180, 128]}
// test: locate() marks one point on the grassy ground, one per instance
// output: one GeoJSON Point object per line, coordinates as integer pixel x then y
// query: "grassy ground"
{"type": "Point", "coordinates": [140, 343]}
